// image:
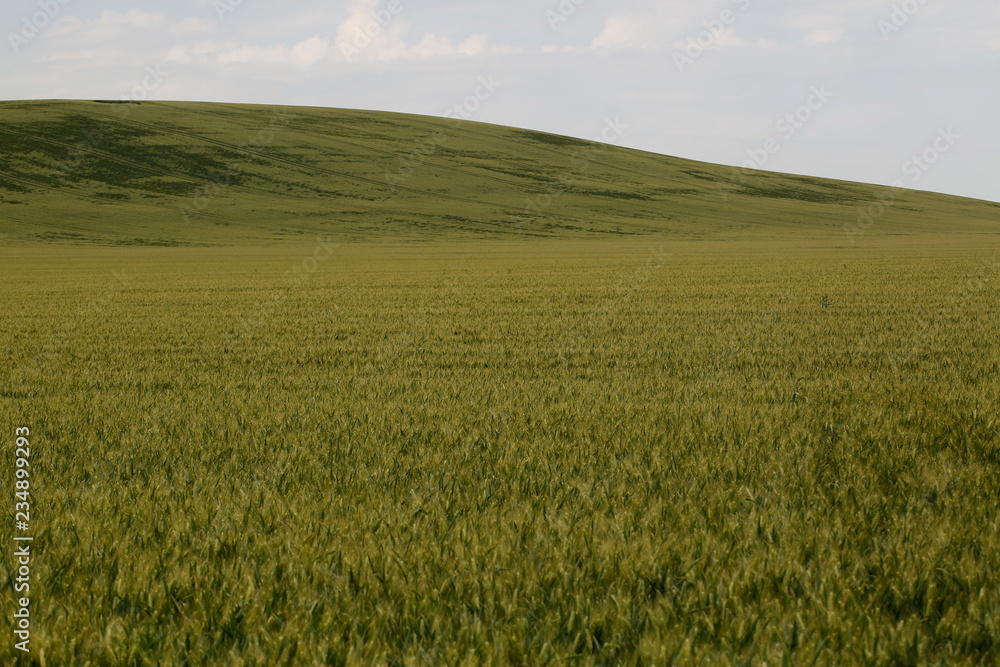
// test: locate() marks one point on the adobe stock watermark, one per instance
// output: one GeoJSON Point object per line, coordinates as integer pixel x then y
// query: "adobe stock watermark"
{"type": "Point", "coordinates": [914, 168]}
{"type": "Point", "coordinates": [581, 161]}
{"type": "Point", "coordinates": [365, 35]}
{"type": "Point", "coordinates": [786, 127]}
{"type": "Point", "coordinates": [22, 521]}
{"type": "Point", "coordinates": [899, 18]}
{"type": "Point", "coordinates": [563, 13]}
{"type": "Point", "coordinates": [714, 29]}
{"type": "Point", "coordinates": [427, 147]}
{"type": "Point", "coordinates": [34, 25]}
{"type": "Point", "coordinates": [224, 8]}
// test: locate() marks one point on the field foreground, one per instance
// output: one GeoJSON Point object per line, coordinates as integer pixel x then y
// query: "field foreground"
{"type": "Point", "coordinates": [503, 453]}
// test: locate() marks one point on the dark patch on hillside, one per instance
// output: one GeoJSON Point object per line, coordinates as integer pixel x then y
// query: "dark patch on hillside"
{"type": "Point", "coordinates": [797, 194]}
{"type": "Point", "coordinates": [553, 139]}
{"type": "Point", "coordinates": [78, 149]}
{"type": "Point", "coordinates": [609, 194]}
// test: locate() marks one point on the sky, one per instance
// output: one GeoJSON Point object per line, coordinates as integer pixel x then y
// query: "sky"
{"type": "Point", "coordinates": [879, 91]}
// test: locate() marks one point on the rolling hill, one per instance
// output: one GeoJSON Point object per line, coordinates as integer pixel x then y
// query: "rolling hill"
{"type": "Point", "coordinates": [110, 173]}
{"type": "Point", "coordinates": [395, 390]}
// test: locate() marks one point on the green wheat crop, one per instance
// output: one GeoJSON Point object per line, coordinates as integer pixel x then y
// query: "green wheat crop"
{"type": "Point", "coordinates": [509, 453]}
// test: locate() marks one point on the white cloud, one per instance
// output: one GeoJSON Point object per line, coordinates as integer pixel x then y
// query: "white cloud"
{"type": "Point", "coordinates": [433, 46]}
{"type": "Point", "coordinates": [822, 37]}
{"type": "Point", "coordinates": [727, 37]}
{"type": "Point", "coordinates": [194, 24]}
{"type": "Point", "coordinates": [305, 53]}
{"type": "Point", "coordinates": [310, 51]}
{"type": "Point", "coordinates": [65, 25]}
{"type": "Point", "coordinates": [202, 53]}
{"type": "Point", "coordinates": [373, 33]}
{"type": "Point", "coordinates": [619, 31]}
{"type": "Point", "coordinates": [71, 55]}
{"type": "Point", "coordinates": [275, 54]}
{"type": "Point", "coordinates": [552, 48]}
{"type": "Point", "coordinates": [819, 28]}
{"type": "Point", "coordinates": [133, 17]}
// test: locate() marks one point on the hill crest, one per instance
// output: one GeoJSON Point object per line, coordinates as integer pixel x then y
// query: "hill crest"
{"type": "Point", "coordinates": [184, 173]}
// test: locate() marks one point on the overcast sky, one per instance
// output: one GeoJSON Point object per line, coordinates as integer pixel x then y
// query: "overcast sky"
{"type": "Point", "coordinates": [850, 89]}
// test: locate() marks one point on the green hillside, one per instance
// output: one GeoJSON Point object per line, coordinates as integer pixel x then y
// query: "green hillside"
{"type": "Point", "coordinates": [194, 173]}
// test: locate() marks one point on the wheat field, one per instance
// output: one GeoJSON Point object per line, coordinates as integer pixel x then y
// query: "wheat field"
{"type": "Point", "coordinates": [521, 453]}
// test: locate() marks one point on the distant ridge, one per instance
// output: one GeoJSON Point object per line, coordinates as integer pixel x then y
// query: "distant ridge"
{"type": "Point", "coordinates": [161, 173]}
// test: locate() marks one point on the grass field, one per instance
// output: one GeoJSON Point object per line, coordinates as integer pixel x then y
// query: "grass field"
{"type": "Point", "coordinates": [631, 451]}
{"type": "Point", "coordinates": [188, 174]}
